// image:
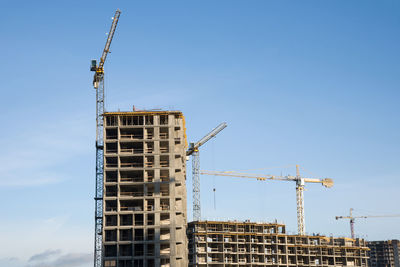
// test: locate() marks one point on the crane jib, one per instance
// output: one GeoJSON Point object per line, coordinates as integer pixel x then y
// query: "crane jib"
{"type": "Point", "coordinates": [109, 38]}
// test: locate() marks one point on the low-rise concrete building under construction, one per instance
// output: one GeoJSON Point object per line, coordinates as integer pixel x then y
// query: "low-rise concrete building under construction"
{"type": "Point", "coordinates": [220, 244]}
{"type": "Point", "coordinates": [384, 253]}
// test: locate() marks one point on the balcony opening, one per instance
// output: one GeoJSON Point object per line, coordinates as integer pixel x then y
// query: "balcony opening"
{"type": "Point", "coordinates": [150, 250]}
{"type": "Point", "coordinates": [110, 250]}
{"type": "Point", "coordinates": [111, 134]}
{"type": "Point", "coordinates": [131, 148]}
{"type": "Point", "coordinates": [149, 161]}
{"type": "Point", "coordinates": [150, 234]}
{"type": "Point", "coordinates": [164, 190]}
{"type": "Point", "coordinates": [150, 219]}
{"type": "Point", "coordinates": [164, 204]}
{"type": "Point", "coordinates": [149, 119]}
{"type": "Point", "coordinates": [111, 121]}
{"type": "Point", "coordinates": [110, 235]}
{"type": "Point", "coordinates": [131, 191]}
{"type": "Point", "coordinates": [164, 133]}
{"type": "Point", "coordinates": [111, 263]}
{"type": "Point", "coordinates": [131, 176]}
{"type": "Point", "coordinates": [150, 190]}
{"type": "Point", "coordinates": [165, 234]}
{"type": "Point", "coordinates": [125, 250]}
{"type": "Point", "coordinates": [131, 162]}
{"type": "Point", "coordinates": [111, 148]}
{"type": "Point", "coordinates": [125, 263]}
{"type": "Point", "coordinates": [111, 176]}
{"type": "Point", "coordinates": [111, 162]}
{"type": "Point", "coordinates": [150, 205]}
{"type": "Point", "coordinates": [138, 263]}
{"type": "Point", "coordinates": [150, 262]}
{"type": "Point", "coordinates": [126, 220]}
{"type": "Point", "coordinates": [111, 205]}
{"type": "Point", "coordinates": [164, 219]}
{"type": "Point", "coordinates": [111, 220]}
{"type": "Point", "coordinates": [148, 147]}
{"type": "Point", "coordinates": [164, 161]}
{"type": "Point", "coordinates": [111, 191]}
{"type": "Point", "coordinates": [149, 175]}
{"type": "Point", "coordinates": [149, 133]}
{"type": "Point", "coordinates": [131, 205]}
{"type": "Point", "coordinates": [164, 146]}
{"type": "Point", "coordinates": [139, 220]}
{"type": "Point", "coordinates": [139, 236]}
{"type": "Point", "coordinates": [125, 235]}
{"type": "Point", "coordinates": [163, 119]}
{"type": "Point", "coordinates": [132, 120]}
{"type": "Point", "coordinates": [131, 134]}
{"type": "Point", "coordinates": [164, 175]}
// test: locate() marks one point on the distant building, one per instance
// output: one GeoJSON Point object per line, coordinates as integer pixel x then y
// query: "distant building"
{"type": "Point", "coordinates": [384, 253]}
{"type": "Point", "coordinates": [220, 244]}
{"type": "Point", "coordinates": [144, 189]}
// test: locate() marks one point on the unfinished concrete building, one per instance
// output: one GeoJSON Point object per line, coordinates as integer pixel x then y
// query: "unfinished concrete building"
{"type": "Point", "coordinates": [384, 253]}
{"type": "Point", "coordinates": [144, 189]}
{"type": "Point", "coordinates": [218, 244]}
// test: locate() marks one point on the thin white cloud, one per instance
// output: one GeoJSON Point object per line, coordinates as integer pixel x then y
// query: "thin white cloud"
{"type": "Point", "coordinates": [19, 178]}
{"type": "Point", "coordinates": [44, 255]}
{"type": "Point", "coordinates": [12, 262]}
{"type": "Point", "coordinates": [55, 258]}
{"type": "Point", "coordinates": [28, 158]}
{"type": "Point", "coordinates": [51, 258]}
{"type": "Point", "coordinates": [71, 260]}
{"type": "Point", "coordinates": [54, 223]}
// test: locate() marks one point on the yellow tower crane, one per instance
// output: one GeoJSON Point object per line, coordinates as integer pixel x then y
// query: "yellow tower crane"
{"type": "Point", "coordinates": [353, 218]}
{"type": "Point", "coordinates": [300, 183]}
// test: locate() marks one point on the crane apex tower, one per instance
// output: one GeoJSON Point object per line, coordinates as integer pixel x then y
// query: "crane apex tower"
{"type": "Point", "coordinates": [144, 200]}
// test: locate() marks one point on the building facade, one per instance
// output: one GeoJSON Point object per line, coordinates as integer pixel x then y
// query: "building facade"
{"type": "Point", "coordinates": [384, 253]}
{"type": "Point", "coordinates": [144, 204]}
{"type": "Point", "coordinates": [221, 244]}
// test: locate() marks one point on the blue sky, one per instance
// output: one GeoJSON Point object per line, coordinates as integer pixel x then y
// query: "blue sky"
{"type": "Point", "coordinates": [314, 83]}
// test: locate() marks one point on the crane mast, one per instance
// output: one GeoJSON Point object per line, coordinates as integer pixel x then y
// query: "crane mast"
{"type": "Point", "coordinates": [353, 219]}
{"type": "Point", "coordinates": [300, 183]}
{"type": "Point", "coordinates": [98, 84]}
{"type": "Point", "coordinates": [301, 227]}
{"type": "Point", "coordinates": [193, 150]}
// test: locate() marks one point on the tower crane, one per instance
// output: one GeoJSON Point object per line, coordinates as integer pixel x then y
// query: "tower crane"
{"type": "Point", "coordinates": [300, 183]}
{"type": "Point", "coordinates": [193, 150]}
{"type": "Point", "coordinates": [353, 218]}
{"type": "Point", "coordinates": [98, 84]}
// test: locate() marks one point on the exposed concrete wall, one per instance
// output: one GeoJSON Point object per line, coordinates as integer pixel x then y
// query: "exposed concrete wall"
{"type": "Point", "coordinates": [144, 189]}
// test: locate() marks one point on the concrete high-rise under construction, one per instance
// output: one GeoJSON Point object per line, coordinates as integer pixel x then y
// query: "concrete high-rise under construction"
{"type": "Point", "coordinates": [144, 189]}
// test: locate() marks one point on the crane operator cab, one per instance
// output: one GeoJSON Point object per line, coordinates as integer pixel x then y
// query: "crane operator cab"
{"type": "Point", "coordinates": [93, 65]}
